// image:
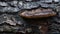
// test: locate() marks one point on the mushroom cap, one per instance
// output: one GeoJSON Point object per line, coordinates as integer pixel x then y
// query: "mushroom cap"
{"type": "Point", "coordinates": [38, 13]}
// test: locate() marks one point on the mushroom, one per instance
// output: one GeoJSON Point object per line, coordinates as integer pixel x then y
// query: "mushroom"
{"type": "Point", "coordinates": [38, 13]}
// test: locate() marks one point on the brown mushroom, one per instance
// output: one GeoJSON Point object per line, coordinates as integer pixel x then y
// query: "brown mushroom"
{"type": "Point", "coordinates": [38, 13]}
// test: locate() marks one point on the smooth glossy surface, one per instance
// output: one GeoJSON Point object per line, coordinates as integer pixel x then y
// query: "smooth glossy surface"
{"type": "Point", "coordinates": [38, 13]}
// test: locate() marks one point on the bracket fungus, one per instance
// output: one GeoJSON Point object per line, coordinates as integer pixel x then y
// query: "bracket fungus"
{"type": "Point", "coordinates": [12, 11]}
{"type": "Point", "coordinates": [38, 13]}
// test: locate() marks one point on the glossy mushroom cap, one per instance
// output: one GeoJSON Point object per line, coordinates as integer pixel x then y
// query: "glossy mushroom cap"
{"type": "Point", "coordinates": [38, 13]}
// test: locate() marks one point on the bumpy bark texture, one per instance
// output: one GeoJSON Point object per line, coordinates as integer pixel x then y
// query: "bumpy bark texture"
{"type": "Point", "coordinates": [29, 17]}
